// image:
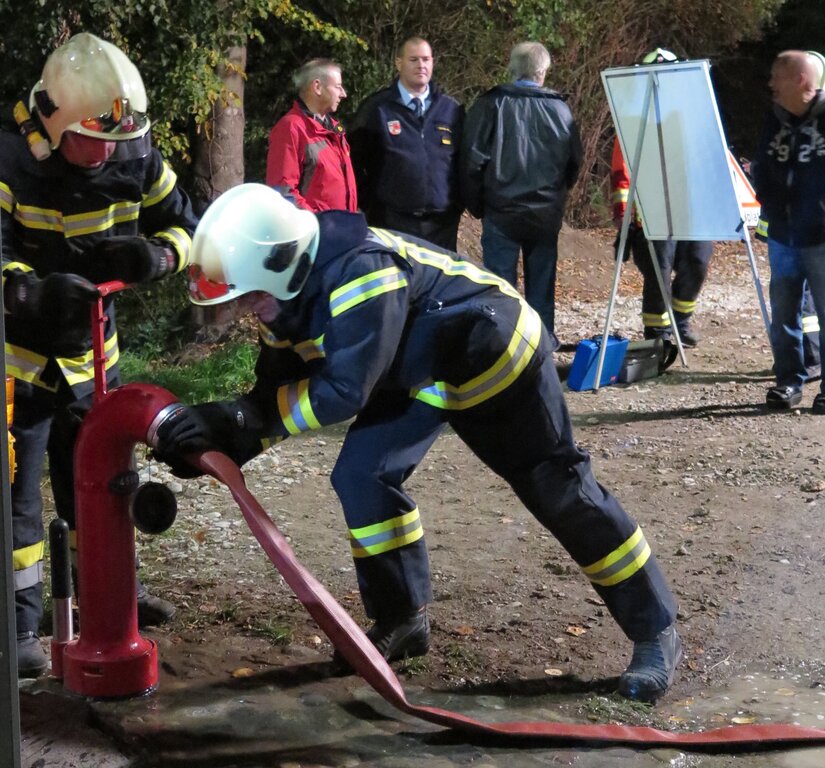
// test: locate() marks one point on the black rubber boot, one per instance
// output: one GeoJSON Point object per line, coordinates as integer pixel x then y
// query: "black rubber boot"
{"type": "Point", "coordinates": [402, 637]}
{"type": "Point", "coordinates": [652, 666]}
{"type": "Point", "coordinates": [398, 638]}
{"type": "Point", "coordinates": [152, 611]}
{"type": "Point", "coordinates": [31, 660]}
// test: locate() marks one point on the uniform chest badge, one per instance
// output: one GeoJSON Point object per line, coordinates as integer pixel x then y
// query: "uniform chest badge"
{"type": "Point", "coordinates": [394, 127]}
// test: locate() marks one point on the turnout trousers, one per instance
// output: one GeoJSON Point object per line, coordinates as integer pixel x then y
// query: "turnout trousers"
{"type": "Point", "coordinates": [45, 424]}
{"type": "Point", "coordinates": [684, 267]}
{"type": "Point", "coordinates": [523, 434]}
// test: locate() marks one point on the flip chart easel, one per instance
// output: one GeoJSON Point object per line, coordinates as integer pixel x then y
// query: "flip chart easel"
{"type": "Point", "coordinates": [682, 181]}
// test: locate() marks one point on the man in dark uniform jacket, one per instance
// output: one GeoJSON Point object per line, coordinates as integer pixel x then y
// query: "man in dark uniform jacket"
{"type": "Point", "coordinates": [404, 141]}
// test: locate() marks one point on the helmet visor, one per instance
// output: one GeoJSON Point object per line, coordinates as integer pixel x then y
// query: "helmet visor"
{"type": "Point", "coordinates": [202, 290]}
{"type": "Point", "coordinates": [118, 124]}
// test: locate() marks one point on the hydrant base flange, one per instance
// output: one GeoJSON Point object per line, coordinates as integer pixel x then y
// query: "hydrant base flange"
{"type": "Point", "coordinates": [111, 675]}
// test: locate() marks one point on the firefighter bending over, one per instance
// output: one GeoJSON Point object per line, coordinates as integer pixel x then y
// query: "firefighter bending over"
{"type": "Point", "coordinates": [406, 337]}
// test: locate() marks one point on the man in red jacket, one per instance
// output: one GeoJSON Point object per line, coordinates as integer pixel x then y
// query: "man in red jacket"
{"type": "Point", "coordinates": [309, 157]}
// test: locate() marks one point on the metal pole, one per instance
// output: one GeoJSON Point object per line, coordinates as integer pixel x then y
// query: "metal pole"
{"type": "Point", "coordinates": [756, 281]}
{"type": "Point", "coordinates": [628, 212]}
{"type": "Point", "coordinates": [9, 697]}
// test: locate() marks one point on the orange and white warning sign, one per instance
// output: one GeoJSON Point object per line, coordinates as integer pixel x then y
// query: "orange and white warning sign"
{"type": "Point", "coordinates": [748, 203]}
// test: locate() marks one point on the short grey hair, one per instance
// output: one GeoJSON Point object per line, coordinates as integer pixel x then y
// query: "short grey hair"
{"type": "Point", "coordinates": [528, 61]}
{"type": "Point", "coordinates": [314, 69]}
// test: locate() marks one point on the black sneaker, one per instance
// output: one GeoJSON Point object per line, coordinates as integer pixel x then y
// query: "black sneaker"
{"type": "Point", "coordinates": [818, 407]}
{"type": "Point", "coordinates": [783, 398]}
{"type": "Point", "coordinates": [652, 666]}
{"type": "Point", "coordinates": [153, 611]}
{"type": "Point", "coordinates": [31, 660]}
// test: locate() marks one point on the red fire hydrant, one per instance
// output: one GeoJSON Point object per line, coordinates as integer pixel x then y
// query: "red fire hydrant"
{"type": "Point", "coordinates": [110, 658]}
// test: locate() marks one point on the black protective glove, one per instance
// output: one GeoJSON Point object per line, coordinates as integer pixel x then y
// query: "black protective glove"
{"type": "Point", "coordinates": [194, 429]}
{"type": "Point", "coordinates": [129, 259]}
{"type": "Point", "coordinates": [58, 300]}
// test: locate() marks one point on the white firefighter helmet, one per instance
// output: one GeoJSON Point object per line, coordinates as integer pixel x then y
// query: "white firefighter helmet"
{"type": "Point", "coordinates": [251, 239]}
{"type": "Point", "coordinates": [89, 86]}
{"type": "Point", "coordinates": [819, 62]}
{"type": "Point", "coordinates": [659, 56]}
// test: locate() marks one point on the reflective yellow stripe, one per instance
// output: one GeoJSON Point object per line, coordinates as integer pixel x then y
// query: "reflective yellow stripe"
{"type": "Point", "coordinates": [364, 288]}
{"type": "Point", "coordinates": [312, 349]}
{"type": "Point", "coordinates": [162, 187]}
{"type": "Point", "coordinates": [6, 198]}
{"type": "Point", "coordinates": [655, 321]}
{"type": "Point", "coordinates": [498, 377]}
{"type": "Point", "coordinates": [181, 243]}
{"type": "Point", "coordinates": [443, 262]}
{"type": "Point", "coordinates": [270, 339]}
{"type": "Point", "coordinates": [762, 228]}
{"type": "Point", "coordinates": [25, 557]}
{"type": "Point", "coordinates": [621, 563]}
{"type": "Point", "coordinates": [26, 365]}
{"type": "Point", "coordinates": [810, 324]}
{"type": "Point", "coordinates": [295, 408]}
{"type": "Point", "coordinates": [684, 307]}
{"type": "Point", "coordinates": [620, 195]}
{"type": "Point", "coordinates": [384, 537]}
{"type": "Point", "coordinates": [81, 368]}
{"type": "Point", "coordinates": [99, 221]}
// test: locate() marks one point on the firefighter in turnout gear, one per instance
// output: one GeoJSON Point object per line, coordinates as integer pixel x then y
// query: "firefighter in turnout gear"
{"type": "Point", "coordinates": [405, 337]}
{"type": "Point", "coordinates": [84, 199]}
{"type": "Point", "coordinates": [686, 261]}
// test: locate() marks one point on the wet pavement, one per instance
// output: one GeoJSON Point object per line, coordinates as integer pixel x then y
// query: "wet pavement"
{"type": "Point", "coordinates": [297, 716]}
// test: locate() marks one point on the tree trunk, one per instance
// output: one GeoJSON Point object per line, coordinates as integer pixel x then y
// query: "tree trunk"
{"type": "Point", "coordinates": [218, 166]}
{"type": "Point", "coordinates": [218, 149]}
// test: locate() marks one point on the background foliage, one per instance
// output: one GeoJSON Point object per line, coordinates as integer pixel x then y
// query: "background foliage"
{"type": "Point", "coordinates": [182, 49]}
{"type": "Point", "coordinates": [179, 46]}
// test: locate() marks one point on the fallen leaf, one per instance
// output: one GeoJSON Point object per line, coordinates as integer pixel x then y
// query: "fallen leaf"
{"type": "Point", "coordinates": [743, 720]}
{"type": "Point", "coordinates": [575, 630]}
{"type": "Point", "coordinates": [463, 630]}
{"type": "Point", "coordinates": [553, 672]}
{"type": "Point", "coordinates": [242, 672]}
{"type": "Point", "coordinates": [785, 692]}
{"type": "Point", "coordinates": [208, 608]}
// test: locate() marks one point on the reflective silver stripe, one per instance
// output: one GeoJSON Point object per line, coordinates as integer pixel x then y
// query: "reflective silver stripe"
{"type": "Point", "coordinates": [6, 198]}
{"type": "Point", "coordinates": [28, 577]}
{"type": "Point", "coordinates": [621, 563]}
{"type": "Point", "coordinates": [364, 288]}
{"type": "Point", "coordinates": [162, 187]}
{"type": "Point", "coordinates": [495, 379]}
{"type": "Point", "coordinates": [24, 364]}
{"type": "Point", "coordinates": [383, 537]}
{"type": "Point", "coordinates": [77, 224]}
{"type": "Point", "coordinates": [810, 324]}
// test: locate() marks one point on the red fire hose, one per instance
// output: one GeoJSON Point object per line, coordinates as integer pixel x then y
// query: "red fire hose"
{"type": "Point", "coordinates": [354, 646]}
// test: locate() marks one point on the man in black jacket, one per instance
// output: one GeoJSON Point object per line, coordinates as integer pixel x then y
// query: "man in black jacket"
{"type": "Point", "coordinates": [520, 155]}
{"type": "Point", "coordinates": [789, 178]}
{"type": "Point", "coordinates": [404, 142]}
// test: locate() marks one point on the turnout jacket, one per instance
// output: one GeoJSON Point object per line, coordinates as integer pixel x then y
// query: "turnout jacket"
{"type": "Point", "coordinates": [405, 163]}
{"type": "Point", "coordinates": [382, 314]}
{"type": "Point", "coordinates": [520, 155]}
{"type": "Point", "coordinates": [311, 163]}
{"type": "Point", "coordinates": [788, 174]}
{"type": "Point", "coordinates": [50, 212]}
